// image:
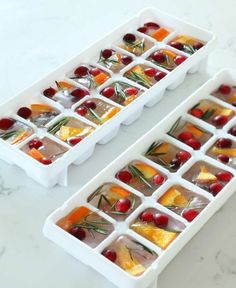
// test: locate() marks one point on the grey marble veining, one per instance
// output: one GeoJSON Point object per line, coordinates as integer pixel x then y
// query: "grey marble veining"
{"type": "Point", "coordinates": [37, 36]}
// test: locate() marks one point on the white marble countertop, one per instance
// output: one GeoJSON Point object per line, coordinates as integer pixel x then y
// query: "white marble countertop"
{"type": "Point", "coordinates": [37, 36]}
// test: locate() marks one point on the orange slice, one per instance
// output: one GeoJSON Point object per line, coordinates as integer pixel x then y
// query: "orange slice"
{"type": "Point", "coordinates": [65, 85]}
{"type": "Point", "coordinates": [173, 197]}
{"type": "Point", "coordinates": [75, 216]}
{"type": "Point", "coordinates": [20, 137]}
{"type": "Point", "coordinates": [128, 262]}
{"type": "Point", "coordinates": [205, 177]}
{"type": "Point", "coordinates": [226, 112]}
{"type": "Point", "coordinates": [169, 53]}
{"type": "Point", "coordinates": [130, 99]}
{"type": "Point", "coordinates": [231, 152]}
{"type": "Point", "coordinates": [66, 132]}
{"type": "Point", "coordinates": [146, 170]}
{"type": "Point", "coordinates": [100, 78]}
{"type": "Point", "coordinates": [160, 34]}
{"type": "Point", "coordinates": [40, 108]}
{"type": "Point", "coordinates": [194, 130]}
{"type": "Point", "coordinates": [34, 153]}
{"type": "Point", "coordinates": [158, 236]}
{"type": "Point", "coordinates": [110, 113]}
{"type": "Point", "coordinates": [117, 192]}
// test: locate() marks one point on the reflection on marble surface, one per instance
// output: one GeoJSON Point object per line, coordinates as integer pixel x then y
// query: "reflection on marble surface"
{"type": "Point", "coordinates": [30, 31]}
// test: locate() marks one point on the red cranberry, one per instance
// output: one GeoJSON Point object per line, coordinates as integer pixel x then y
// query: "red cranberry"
{"type": "Point", "coordinates": [49, 92]}
{"type": "Point", "coordinates": [90, 104]}
{"type": "Point", "coordinates": [123, 205]}
{"type": "Point", "coordinates": [79, 93]}
{"type": "Point", "coordinates": [196, 112]}
{"type": "Point", "coordinates": [131, 91]}
{"type": "Point", "coordinates": [107, 53]}
{"type": "Point", "coordinates": [175, 163]}
{"type": "Point", "coordinates": [198, 46]}
{"type": "Point", "coordinates": [6, 123]}
{"type": "Point", "coordinates": [74, 140]}
{"type": "Point", "coordinates": [24, 112]}
{"type": "Point", "coordinates": [146, 217]}
{"type": "Point", "coordinates": [151, 72]}
{"type": "Point", "coordinates": [215, 188]}
{"type": "Point", "coordinates": [78, 232]}
{"type": "Point", "coordinates": [220, 120]}
{"type": "Point", "coordinates": [108, 92]}
{"type": "Point", "coordinates": [158, 179]}
{"type": "Point", "coordinates": [177, 45]}
{"type": "Point", "coordinates": [161, 220]}
{"type": "Point", "coordinates": [159, 75]}
{"type": "Point", "coordinates": [183, 156]}
{"type": "Point", "coordinates": [35, 143]}
{"type": "Point", "coordinates": [124, 176]}
{"type": "Point", "coordinates": [129, 38]}
{"type": "Point", "coordinates": [109, 254]}
{"type": "Point", "coordinates": [81, 71]}
{"type": "Point", "coordinates": [184, 136]}
{"type": "Point", "coordinates": [159, 57]}
{"type": "Point", "coordinates": [195, 144]}
{"type": "Point", "coordinates": [46, 161]}
{"type": "Point", "coordinates": [179, 59]}
{"type": "Point", "coordinates": [142, 29]}
{"type": "Point", "coordinates": [190, 214]}
{"type": "Point", "coordinates": [224, 176]}
{"type": "Point", "coordinates": [223, 158]}
{"type": "Point", "coordinates": [232, 131]}
{"type": "Point", "coordinates": [224, 143]}
{"type": "Point", "coordinates": [82, 111]}
{"type": "Point", "coordinates": [95, 71]}
{"type": "Point", "coordinates": [126, 60]}
{"type": "Point", "coordinates": [224, 89]}
{"type": "Point", "coordinates": [152, 25]}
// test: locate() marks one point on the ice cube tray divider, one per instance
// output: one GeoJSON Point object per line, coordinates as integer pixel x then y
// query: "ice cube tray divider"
{"type": "Point", "coordinates": [93, 257]}
{"type": "Point", "coordinates": [56, 173]}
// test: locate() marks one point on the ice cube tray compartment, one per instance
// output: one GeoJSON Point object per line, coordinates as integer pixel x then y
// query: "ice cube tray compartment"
{"type": "Point", "coordinates": [56, 173]}
{"type": "Point", "coordinates": [206, 202]}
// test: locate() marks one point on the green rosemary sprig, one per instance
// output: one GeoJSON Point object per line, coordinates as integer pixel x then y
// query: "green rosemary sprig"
{"type": "Point", "coordinates": [88, 77]}
{"type": "Point", "coordinates": [137, 173]}
{"type": "Point", "coordinates": [93, 226]}
{"type": "Point", "coordinates": [58, 86]}
{"type": "Point", "coordinates": [207, 114]}
{"type": "Point", "coordinates": [150, 152]}
{"type": "Point", "coordinates": [94, 194]}
{"type": "Point", "coordinates": [127, 85]}
{"type": "Point", "coordinates": [174, 127]}
{"type": "Point", "coordinates": [94, 115]}
{"type": "Point", "coordinates": [152, 148]}
{"type": "Point", "coordinates": [195, 106]}
{"type": "Point", "coordinates": [106, 61]}
{"type": "Point", "coordinates": [189, 49]}
{"type": "Point", "coordinates": [120, 94]}
{"type": "Point", "coordinates": [169, 62]}
{"type": "Point", "coordinates": [54, 128]}
{"type": "Point", "coordinates": [136, 45]}
{"type": "Point", "coordinates": [103, 197]}
{"type": "Point", "coordinates": [138, 78]}
{"type": "Point", "coordinates": [145, 248]}
{"type": "Point", "coordinates": [7, 135]}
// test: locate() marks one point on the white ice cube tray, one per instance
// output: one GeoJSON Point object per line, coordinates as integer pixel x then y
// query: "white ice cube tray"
{"type": "Point", "coordinates": [49, 175]}
{"type": "Point", "coordinates": [93, 257]}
